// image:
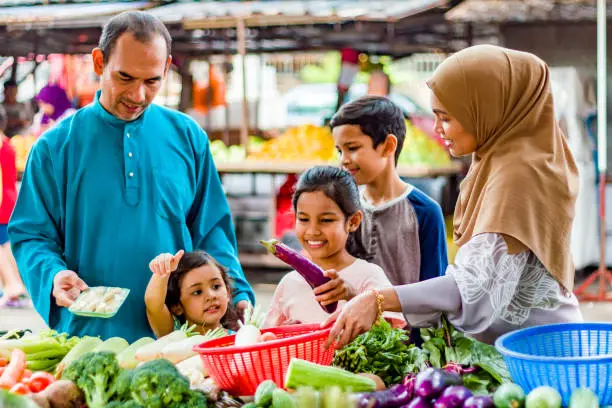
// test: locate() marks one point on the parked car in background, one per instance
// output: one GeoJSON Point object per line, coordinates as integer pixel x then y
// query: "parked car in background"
{"type": "Point", "coordinates": [316, 103]}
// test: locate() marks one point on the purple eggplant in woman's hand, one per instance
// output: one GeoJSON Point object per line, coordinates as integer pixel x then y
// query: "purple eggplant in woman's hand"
{"type": "Point", "coordinates": [392, 397]}
{"type": "Point", "coordinates": [478, 402]}
{"type": "Point", "coordinates": [312, 273]}
{"type": "Point", "coordinates": [453, 397]}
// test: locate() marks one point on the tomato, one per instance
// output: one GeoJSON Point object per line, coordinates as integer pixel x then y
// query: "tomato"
{"type": "Point", "coordinates": [268, 336]}
{"type": "Point", "coordinates": [20, 389]}
{"type": "Point", "coordinates": [40, 380]}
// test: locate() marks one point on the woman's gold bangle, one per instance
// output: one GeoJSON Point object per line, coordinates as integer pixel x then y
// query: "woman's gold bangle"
{"type": "Point", "coordinates": [379, 302]}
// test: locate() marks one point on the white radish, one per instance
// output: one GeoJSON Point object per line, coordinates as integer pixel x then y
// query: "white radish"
{"type": "Point", "coordinates": [193, 363]}
{"type": "Point", "coordinates": [178, 351]}
{"type": "Point", "coordinates": [196, 378]}
{"type": "Point", "coordinates": [152, 351]}
{"type": "Point", "coordinates": [249, 332]}
{"type": "Point", "coordinates": [181, 350]}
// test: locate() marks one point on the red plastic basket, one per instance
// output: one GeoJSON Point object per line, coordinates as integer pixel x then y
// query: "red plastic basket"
{"type": "Point", "coordinates": [239, 370]}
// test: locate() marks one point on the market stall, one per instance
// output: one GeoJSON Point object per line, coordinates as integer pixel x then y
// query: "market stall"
{"type": "Point", "coordinates": [280, 151]}
{"type": "Point", "coordinates": [288, 367]}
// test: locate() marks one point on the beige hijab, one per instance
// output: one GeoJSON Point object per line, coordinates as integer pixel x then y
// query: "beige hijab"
{"type": "Point", "coordinates": [523, 179]}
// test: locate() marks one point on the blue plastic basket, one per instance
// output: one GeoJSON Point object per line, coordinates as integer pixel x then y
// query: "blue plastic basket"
{"type": "Point", "coordinates": [564, 356]}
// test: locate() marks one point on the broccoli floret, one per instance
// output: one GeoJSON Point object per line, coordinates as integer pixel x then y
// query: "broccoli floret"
{"type": "Point", "coordinates": [158, 383]}
{"type": "Point", "coordinates": [196, 399]}
{"type": "Point", "coordinates": [123, 386]}
{"type": "Point", "coordinates": [125, 404]}
{"type": "Point", "coordinates": [95, 373]}
{"type": "Point", "coordinates": [131, 404]}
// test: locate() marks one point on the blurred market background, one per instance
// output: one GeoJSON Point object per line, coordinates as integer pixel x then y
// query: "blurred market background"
{"type": "Point", "coordinates": [263, 78]}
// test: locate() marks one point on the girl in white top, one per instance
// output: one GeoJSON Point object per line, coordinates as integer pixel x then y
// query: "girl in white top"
{"type": "Point", "coordinates": [327, 207]}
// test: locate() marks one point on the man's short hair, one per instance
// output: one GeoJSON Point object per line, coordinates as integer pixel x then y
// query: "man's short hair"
{"type": "Point", "coordinates": [143, 26]}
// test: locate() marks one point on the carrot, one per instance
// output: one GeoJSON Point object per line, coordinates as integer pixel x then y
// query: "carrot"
{"type": "Point", "coordinates": [3, 362]}
{"type": "Point", "coordinates": [14, 370]}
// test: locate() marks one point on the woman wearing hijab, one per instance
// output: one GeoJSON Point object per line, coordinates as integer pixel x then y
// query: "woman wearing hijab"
{"type": "Point", "coordinates": [54, 106]}
{"type": "Point", "coordinates": [515, 210]}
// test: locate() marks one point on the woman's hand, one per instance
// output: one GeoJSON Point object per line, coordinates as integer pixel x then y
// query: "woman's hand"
{"type": "Point", "coordinates": [355, 318]}
{"type": "Point", "coordinates": [334, 290]}
{"type": "Point", "coordinates": [164, 264]}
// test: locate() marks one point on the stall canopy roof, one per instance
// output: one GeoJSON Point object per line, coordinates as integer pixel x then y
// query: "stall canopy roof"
{"type": "Point", "coordinates": [63, 15]}
{"type": "Point", "coordinates": [524, 11]}
{"type": "Point", "coordinates": [270, 13]}
{"type": "Point", "coordinates": [214, 14]}
{"type": "Point", "coordinates": [392, 27]}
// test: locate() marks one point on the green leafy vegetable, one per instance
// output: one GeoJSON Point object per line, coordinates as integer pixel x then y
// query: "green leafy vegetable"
{"type": "Point", "coordinates": [445, 345]}
{"type": "Point", "coordinates": [382, 350]}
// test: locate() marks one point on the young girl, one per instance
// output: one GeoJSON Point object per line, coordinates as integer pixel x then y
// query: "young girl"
{"type": "Point", "coordinates": [327, 207]}
{"type": "Point", "coordinates": [188, 288]}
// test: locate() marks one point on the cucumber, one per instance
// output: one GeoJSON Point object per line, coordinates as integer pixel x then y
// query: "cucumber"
{"type": "Point", "coordinates": [127, 357]}
{"type": "Point", "coordinates": [307, 397]}
{"type": "Point", "coordinates": [282, 399]}
{"type": "Point", "coordinates": [335, 397]}
{"type": "Point", "coordinates": [305, 373]}
{"type": "Point", "coordinates": [263, 394]}
{"type": "Point", "coordinates": [543, 397]}
{"type": "Point", "coordinates": [509, 395]}
{"type": "Point", "coordinates": [114, 345]}
{"type": "Point", "coordinates": [583, 398]}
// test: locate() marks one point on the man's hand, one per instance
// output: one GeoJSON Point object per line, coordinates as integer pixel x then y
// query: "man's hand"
{"type": "Point", "coordinates": [67, 286]}
{"type": "Point", "coordinates": [334, 290]}
{"type": "Point", "coordinates": [241, 307]}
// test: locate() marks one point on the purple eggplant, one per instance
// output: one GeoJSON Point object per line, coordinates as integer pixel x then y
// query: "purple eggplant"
{"type": "Point", "coordinates": [423, 384]}
{"type": "Point", "coordinates": [311, 272]}
{"type": "Point", "coordinates": [431, 382]}
{"type": "Point", "coordinates": [410, 382]}
{"type": "Point", "coordinates": [392, 397]}
{"type": "Point", "coordinates": [418, 402]}
{"type": "Point", "coordinates": [453, 397]}
{"type": "Point", "coordinates": [453, 367]}
{"type": "Point", "coordinates": [478, 402]}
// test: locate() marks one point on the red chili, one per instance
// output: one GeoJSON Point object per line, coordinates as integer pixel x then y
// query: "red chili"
{"type": "Point", "coordinates": [40, 380]}
{"type": "Point", "coordinates": [20, 389]}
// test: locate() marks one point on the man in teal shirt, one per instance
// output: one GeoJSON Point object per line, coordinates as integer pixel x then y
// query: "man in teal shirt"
{"type": "Point", "coordinates": [114, 185]}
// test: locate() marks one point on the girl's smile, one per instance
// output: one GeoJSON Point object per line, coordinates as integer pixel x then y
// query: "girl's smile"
{"type": "Point", "coordinates": [322, 229]}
